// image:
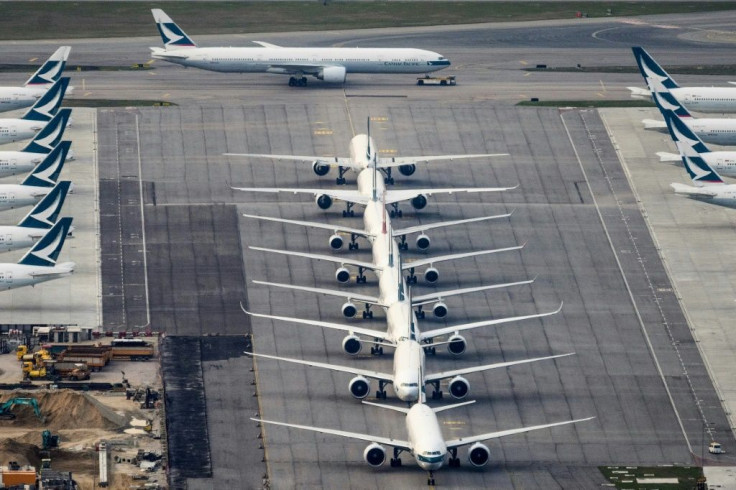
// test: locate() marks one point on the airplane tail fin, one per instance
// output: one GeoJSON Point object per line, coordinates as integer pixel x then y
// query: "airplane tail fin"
{"type": "Point", "coordinates": [665, 101]}
{"type": "Point", "coordinates": [700, 172]}
{"type": "Point", "coordinates": [47, 139]}
{"type": "Point", "coordinates": [47, 249]}
{"type": "Point", "coordinates": [48, 104]}
{"type": "Point", "coordinates": [45, 212]}
{"type": "Point", "coordinates": [173, 36]}
{"type": "Point", "coordinates": [685, 138]}
{"type": "Point", "coordinates": [51, 70]}
{"type": "Point", "coordinates": [47, 172]}
{"type": "Point", "coordinates": [653, 74]}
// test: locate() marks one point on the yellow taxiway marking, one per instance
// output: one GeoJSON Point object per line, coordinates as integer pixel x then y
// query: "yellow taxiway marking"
{"type": "Point", "coordinates": [379, 118]}
{"type": "Point", "coordinates": [390, 152]}
{"type": "Point", "coordinates": [527, 74]}
{"type": "Point", "coordinates": [599, 94]}
{"type": "Point", "coordinates": [523, 62]}
{"type": "Point", "coordinates": [166, 95]}
{"type": "Point", "coordinates": [33, 59]}
{"type": "Point", "coordinates": [86, 94]}
{"type": "Point", "coordinates": [603, 87]}
{"type": "Point", "coordinates": [323, 132]}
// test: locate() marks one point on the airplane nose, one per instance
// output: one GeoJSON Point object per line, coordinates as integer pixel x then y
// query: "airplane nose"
{"type": "Point", "coordinates": [409, 394]}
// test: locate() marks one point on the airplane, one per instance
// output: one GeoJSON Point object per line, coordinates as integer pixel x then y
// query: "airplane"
{"type": "Point", "coordinates": [328, 64]}
{"type": "Point", "coordinates": [699, 99]}
{"type": "Point", "coordinates": [424, 438]}
{"type": "Point", "coordinates": [37, 222]}
{"type": "Point", "coordinates": [38, 183]}
{"type": "Point", "coordinates": [36, 117]}
{"type": "Point", "coordinates": [12, 98]}
{"type": "Point", "coordinates": [39, 263]}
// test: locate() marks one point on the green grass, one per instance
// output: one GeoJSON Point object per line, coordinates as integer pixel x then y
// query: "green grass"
{"type": "Point", "coordinates": [588, 103]}
{"type": "Point", "coordinates": [58, 20]}
{"type": "Point", "coordinates": [114, 103]}
{"type": "Point", "coordinates": [674, 70]}
{"type": "Point", "coordinates": [687, 475]}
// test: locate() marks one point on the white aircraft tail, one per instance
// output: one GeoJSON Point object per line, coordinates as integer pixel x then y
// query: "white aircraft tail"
{"type": "Point", "coordinates": [51, 70]}
{"type": "Point", "coordinates": [173, 36]}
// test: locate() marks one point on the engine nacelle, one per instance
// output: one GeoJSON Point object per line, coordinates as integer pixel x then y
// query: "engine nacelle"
{"type": "Point", "coordinates": [333, 74]}
{"type": "Point", "coordinates": [352, 345]}
{"type": "Point", "coordinates": [336, 242]}
{"type": "Point", "coordinates": [419, 202]}
{"type": "Point", "coordinates": [479, 454]}
{"type": "Point", "coordinates": [439, 309]}
{"type": "Point", "coordinates": [342, 275]}
{"type": "Point", "coordinates": [374, 455]}
{"type": "Point", "coordinates": [407, 169]}
{"type": "Point", "coordinates": [320, 168]}
{"type": "Point", "coordinates": [359, 387]}
{"type": "Point", "coordinates": [431, 275]}
{"type": "Point", "coordinates": [459, 387]}
{"type": "Point", "coordinates": [349, 310]}
{"type": "Point", "coordinates": [423, 242]}
{"type": "Point", "coordinates": [323, 201]}
{"type": "Point", "coordinates": [457, 345]}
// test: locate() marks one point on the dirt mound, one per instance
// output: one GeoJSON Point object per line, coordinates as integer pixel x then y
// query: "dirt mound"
{"type": "Point", "coordinates": [22, 453]}
{"type": "Point", "coordinates": [63, 409]}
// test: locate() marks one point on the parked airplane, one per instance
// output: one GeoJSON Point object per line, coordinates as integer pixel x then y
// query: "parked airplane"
{"type": "Point", "coordinates": [328, 64]}
{"type": "Point", "coordinates": [12, 98]}
{"type": "Point", "coordinates": [699, 99]}
{"type": "Point", "coordinates": [38, 183]}
{"type": "Point", "coordinates": [37, 222]}
{"type": "Point", "coordinates": [424, 439]}
{"type": "Point", "coordinates": [36, 117]}
{"type": "Point", "coordinates": [23, 161]}
{"type": "Point", "coordinates": [39, 263]}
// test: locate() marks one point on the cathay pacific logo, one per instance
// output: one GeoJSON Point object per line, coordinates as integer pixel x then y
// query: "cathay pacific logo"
{"type": "Point", "coordinates": [664, 104]}
{"type": "Point", "coordinates": [49, 73]}
{"type": "Point", "coordinates": [44, 215]}
{"type": "Point", "coordinates": [45, 253]}
{"type": "Point", "coordinates": [50, 140]}
{"type": "Point", "coordinates": [46, 174]}
{"type": "Point", "coordinates": [172, 35]}
{"type": "Point", "coordinates": [699, 171]}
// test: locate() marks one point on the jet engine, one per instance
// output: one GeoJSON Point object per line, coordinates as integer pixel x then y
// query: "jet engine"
{"type": "Point", "coordinates": [333, 74]}
{"type": "Point", "coordinates": [374, 455]}
{"type": "Point", "coordinates": [457, 345]}
{"type": "Point", "coordinates": [479, 454]}
{"type": "Point", "coordinates": [422, 242]}
{"type": "Point", "coordinates": [439, 309]}
{"type": "Point", "coordinates": [349, 310]}
{"type": "Point", "coordinates": [342, 275]}
{"type": "Point", "coordinates": [320, 168]}
{"type": "Point", "coordinates": [419, 202]}
{"type": "Point", "coordinates": [407, 169]}
{"type": "Point", "coordinates": [459, 387]}
{"type": "Point", "coordinates": [336, 242]}
{"type": "Point", "coordinates": [324, 201]}
{"type": "Point", "coordinates": [431, 275]}
{"type": "Point", "coordinates": [352, 345]}
{"type": "Point", "coordinates": [359, 387]}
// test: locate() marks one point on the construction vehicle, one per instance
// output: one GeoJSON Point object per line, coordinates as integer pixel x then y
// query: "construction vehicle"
{"type": "Point", "coordinates": [49, 440]}
{"type": "Point", "coordinates": [96, 357]}
{"type": "Point", "coordinates": [132, 349]}
{"type": "Point", "coordinates": [56, 370]}
{"type": "Point", "coordinates": [21, 351]}
{"type": "Point", "coordinates": [7, 407]}
{"type": "Point", "coordinates": [448, 80]}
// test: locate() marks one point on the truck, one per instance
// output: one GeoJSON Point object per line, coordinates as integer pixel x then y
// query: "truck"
{"type": "Point", "coordinates": [132, 349]}
{"type": "Point", "coordinates": [54, 370]}
{"type": "Point", "coordinates": [448, 80]}
{"type": "Point", "coordinates": [95, 356]}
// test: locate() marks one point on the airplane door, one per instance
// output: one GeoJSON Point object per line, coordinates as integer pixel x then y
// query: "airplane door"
{"type": "Point", "coordinates": [13, 131]}
{"type": "Point", "coordinates": [13, 164]}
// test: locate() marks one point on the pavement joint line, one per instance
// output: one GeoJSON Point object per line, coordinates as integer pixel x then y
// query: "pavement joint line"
{"type": "Point", "coordinates": [625, 280]}
{"type": "Point", "coordinates": [143, 222]}
{"type": "Point", "coordinates": [98, 240]}
{"type": "Point", "coordinates": [120, 231]}
{"type": "Point", "coordinates": [347, 109]}
{"type": "Point", "coordinates": [266, 459]}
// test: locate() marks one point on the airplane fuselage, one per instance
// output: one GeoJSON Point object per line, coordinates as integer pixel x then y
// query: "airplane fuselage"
{"type": "Point", "coordinates": [12, 130]}
{"type": "Point", "coordinates": [720, 131]}
{"type": "Point", "coordinates": [18, 162]}
{"type": "Point", "coordinates": [721, 195]}
{"type": "Point", "coordinates": [408, 364]}
{"type": "Point", "coordinates": [427, 444]}
{"type": "Point", "coordinates": [707, 99]}
{"type": "Point", "coordinates": [362, 150]}
{"type": "Point", "coordinates": [16, 195]}
{"type": "Point", "coordinates": [18, 237]}
{"type": "Point", "coordinates": [14, 276]}
{"type": "Point", "coordinates": [12, 98]}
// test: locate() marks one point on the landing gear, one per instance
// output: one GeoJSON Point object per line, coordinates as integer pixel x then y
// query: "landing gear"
{"type": "Point", "coordinates": [381, 393]}
{"type": "Point", "coordinates": [388, 180]}
{"type": "Point", "coordinates": [367, 313]}
{"type": "Point", "coordinates": [437, 393]}
{"type": "Point", "coordinates": [297, 82]}
{"type": "Point", "coordinates": [353, 245]}
{"type": "Point", "coordinates": [420, 312]}
{"type": "Point", "coordinates": [454, 461]}
{"type": "Point", "coordinates": [402, 244]}
{"type": "Point", "coordinates": [430, 478]}
{"type": "Point", "coordinates": [340, 180]}
{"type": "Point", "coordinates": [361, 279]}
{"type": "Point", "coordinates": [395, 212]}
{"type": "Point", "coordinates": [378, 351]}
{"type": "Point", "coordinates": [411, 278]}
{"type": "Point", "coordinates": [396, 461]}
{"type": "Point", "coordinates": [429, 350]}
{"type": "Point", "coordinates": [348, 210]}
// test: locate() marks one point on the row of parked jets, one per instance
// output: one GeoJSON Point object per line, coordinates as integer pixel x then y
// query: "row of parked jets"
{"type": "Point", "coordinates": [690, 134]}
{"type": "Point", "coordinates": [42, 159]}
{"type": "Point", "coordinates": [409, 374]}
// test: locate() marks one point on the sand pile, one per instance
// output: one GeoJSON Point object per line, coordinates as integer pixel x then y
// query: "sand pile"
{"type": "Point", "coordinates": [62, 409]}
{"type": "Point", "coordinates": [22, 453]}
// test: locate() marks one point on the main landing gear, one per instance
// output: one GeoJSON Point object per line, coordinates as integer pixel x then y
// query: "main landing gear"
{"type": "Point", "coordinates": [396, 461]}
{"type": "Point", "coordinates": [454, 460]}
{"type": "Point", "coordinates": [381, 394]}
{"type": "Point", "coordinates": [297, 82]}
{"type": "Point", "coordinates": [340, 180]}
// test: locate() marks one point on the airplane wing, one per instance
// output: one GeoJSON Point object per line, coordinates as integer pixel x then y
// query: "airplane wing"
{"type": "Point", "coordinates": [443, 258]}
{"type": "Point", "coordinates": [688, 190]}
{"type": "Point", "coordinates": [335, 326]}
{"type": "Point", "coordinates": [393, 196]}
{"type": "Point", "coordinates": [332, 161]}
{"type": "Point", "coordinates": [399, 161]}
{"type": "Point", "coordinates": [290, 69]}
{"type": "Point", "coordinates": [161, 54]}
{"type": "Point", "coordinates": [464, 441]}
{"type": "Point", "coordinates": [324, 226]}
{"type": "Point", "coordinates": [343, 195]}
{"type": "Point", "coordinates": [266, 45]}
{"type": "Point", "coordinates": [352, 435]}
{"type": "Point", "coordinates": [485, 323]}
{"type": "Point", "coordinates": [343, 294]}
{"type": "Point", "coordinates": [474, 369]}
{"type": "Point", "coordinates": [334, 367]}
{"type": "Point", "coordinates": [442, 224]}
{"type": "Point", "coordinates": [329, 258]}
{"type": "Point", "coordinates": [431, 297]}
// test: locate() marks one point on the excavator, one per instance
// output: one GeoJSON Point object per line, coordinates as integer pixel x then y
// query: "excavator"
{"type": "Point", "coordinates": [7, 407]}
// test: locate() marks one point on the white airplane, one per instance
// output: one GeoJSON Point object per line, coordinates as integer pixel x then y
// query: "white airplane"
{"type": "Point", "coordinates": [328, 64]}
{"type": "Point", "coordinates": [37, 222]}
{"type": "Point", "coordinates": [38, 183]}
{"type": "Point", "coordinates": [36, 117]}
{"type": "Point", "coordinates": [363, 153]}
{"type": "Point", "coordinates": [39, 263]}
{"type": "Point", "coordinates": [12, 98]}
{"type": "Point", "coordinates": [424, 439]}
{"type": "Point", "coordinates": [699, 99]}
{"type": "Point", "coordinates": [23, 161]}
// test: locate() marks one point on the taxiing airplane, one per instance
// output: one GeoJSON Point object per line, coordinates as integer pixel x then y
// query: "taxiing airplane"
{"type": "Point", "coordinates": [328, 64]}
{"type": "Point", "coordinates": [39, 263]}
{"type": "Point", "coordinates": [12, 98]}
{"type": "Point", "coordinates": [34, 120]}
{"type": "Point", "coordinates": [425, 441]}
{"type": "Point", "coordinates": [37, 222]}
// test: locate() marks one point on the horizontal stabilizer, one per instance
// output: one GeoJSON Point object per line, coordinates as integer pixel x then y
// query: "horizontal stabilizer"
{"type": "Point", "coordinates": [665, 156]}
{"type": "Point", "coordinates": [640, 93]}
{"type": "Point", "coordinates": [654, 124]}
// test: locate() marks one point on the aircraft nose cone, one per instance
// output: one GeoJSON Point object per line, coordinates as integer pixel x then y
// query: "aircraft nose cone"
{"type": "Point", "coordinates": [409, 394]}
